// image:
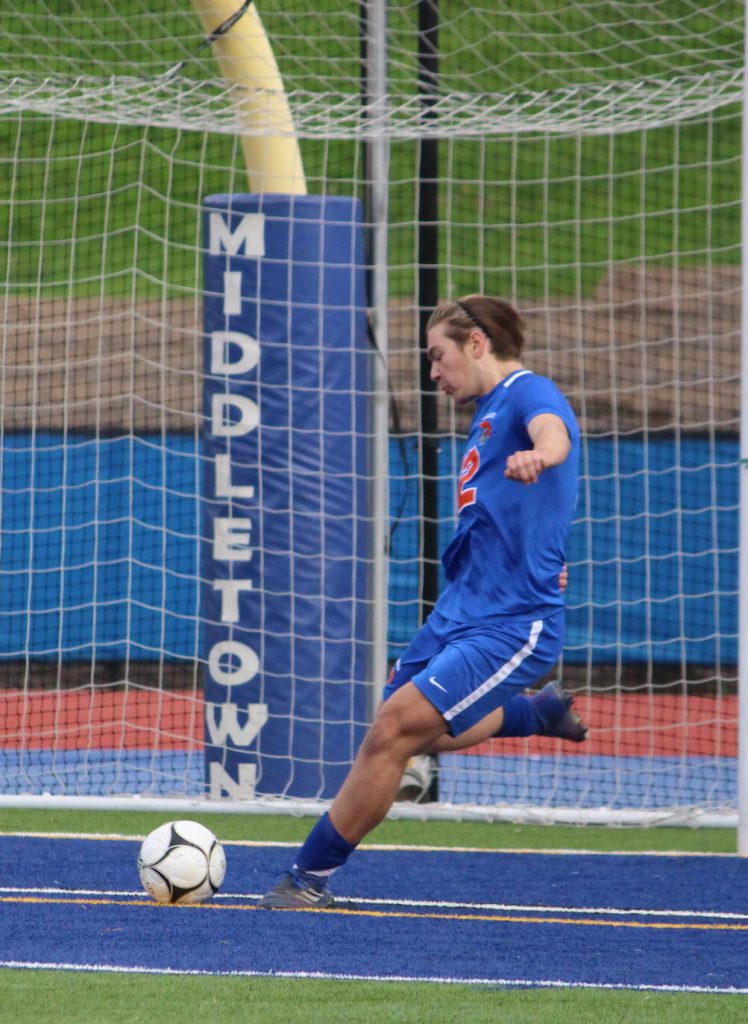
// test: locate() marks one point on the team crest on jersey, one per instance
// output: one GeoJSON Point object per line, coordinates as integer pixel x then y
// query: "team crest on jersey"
{"type": "Point", "coordinates": [485, 428]}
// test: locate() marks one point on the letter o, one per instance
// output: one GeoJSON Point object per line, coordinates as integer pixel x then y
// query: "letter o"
{"type": "Point", "coordinates": [247, 669]}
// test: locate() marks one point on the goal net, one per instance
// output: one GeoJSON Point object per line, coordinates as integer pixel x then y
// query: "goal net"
{"type": "Point", "coordinates": [583, 161]}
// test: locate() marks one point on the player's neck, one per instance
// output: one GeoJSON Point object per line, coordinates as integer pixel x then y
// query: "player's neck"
{"type": "Point", "coordinates": [499, 370]}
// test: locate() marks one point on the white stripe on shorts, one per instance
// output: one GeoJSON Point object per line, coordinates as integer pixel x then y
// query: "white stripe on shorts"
{"type": "Point", "coordinates": [498, 677]}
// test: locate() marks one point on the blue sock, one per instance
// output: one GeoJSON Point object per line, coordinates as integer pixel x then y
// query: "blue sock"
{"type": "Point", "coordinates": [520, 718]}
{"type": "Point", "coordinates": [323, 852]}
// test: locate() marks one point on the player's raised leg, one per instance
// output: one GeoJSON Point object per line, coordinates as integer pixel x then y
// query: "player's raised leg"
{"type": "Point", "coordinates": [549, 712]}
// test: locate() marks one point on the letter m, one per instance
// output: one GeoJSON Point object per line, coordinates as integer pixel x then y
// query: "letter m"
{"type": "Point", "coordinates": [249, 232]}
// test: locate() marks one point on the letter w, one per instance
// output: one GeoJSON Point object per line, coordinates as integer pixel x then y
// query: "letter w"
{"type": "Point", "coordinates": [222, 722]}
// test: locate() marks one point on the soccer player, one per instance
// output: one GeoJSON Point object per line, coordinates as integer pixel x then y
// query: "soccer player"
{"type": "Point", "coordinates": [498, 625]}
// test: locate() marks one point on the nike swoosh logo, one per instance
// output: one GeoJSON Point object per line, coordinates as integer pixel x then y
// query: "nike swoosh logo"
{"type": "Point", "coordinates": [439, 686]}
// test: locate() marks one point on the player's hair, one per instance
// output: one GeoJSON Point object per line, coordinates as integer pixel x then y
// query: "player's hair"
{"type": "Point", "coordinates": [499, 321]}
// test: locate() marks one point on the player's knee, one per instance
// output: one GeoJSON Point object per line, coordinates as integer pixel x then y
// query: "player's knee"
{"type": "Point", "coordinates": [391, 733]}
{"type": "Point", "coordinates": [386, 730]}
{"type": "Point", "coordinates": [403, 725]}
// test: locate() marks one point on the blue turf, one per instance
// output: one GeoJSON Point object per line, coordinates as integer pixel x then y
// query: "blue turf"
{"type": "Point", "coordinates": [129, 932]}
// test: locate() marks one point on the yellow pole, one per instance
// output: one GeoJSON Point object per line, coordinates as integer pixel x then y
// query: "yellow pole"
{"type": "Point", "coordinates": [246, 61]}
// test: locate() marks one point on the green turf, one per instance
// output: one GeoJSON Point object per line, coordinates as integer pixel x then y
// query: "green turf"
{"type": "Point", "coordinates": [436, 833]}
{"type": "Point", "coordinates": [77, 998]}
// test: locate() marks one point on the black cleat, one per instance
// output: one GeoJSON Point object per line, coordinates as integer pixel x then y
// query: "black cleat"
{"type": "Point", "coordinates": [554, 707]}
{"type": "Point", "coordinates": [291, 894]}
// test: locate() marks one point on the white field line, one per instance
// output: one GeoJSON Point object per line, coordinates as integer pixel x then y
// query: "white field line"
{"type": "Point", "coordinates": [547, 983]}
{"type": "Point", "coordinates": [521, 908]}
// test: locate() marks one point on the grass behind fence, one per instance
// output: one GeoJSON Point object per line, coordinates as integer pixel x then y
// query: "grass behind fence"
{"type": "Point", "coordinates": [90, 209]}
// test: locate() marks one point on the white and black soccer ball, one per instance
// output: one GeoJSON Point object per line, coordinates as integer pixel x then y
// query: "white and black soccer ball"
{"type": "Point", "coordinates": [181, 862]}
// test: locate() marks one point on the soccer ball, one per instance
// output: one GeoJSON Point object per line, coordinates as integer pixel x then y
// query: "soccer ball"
{"type": "Point", "coordinates": [181, 862]}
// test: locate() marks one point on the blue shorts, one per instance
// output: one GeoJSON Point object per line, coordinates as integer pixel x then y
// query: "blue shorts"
{"type": "Point", "coordinates": [468, 671]}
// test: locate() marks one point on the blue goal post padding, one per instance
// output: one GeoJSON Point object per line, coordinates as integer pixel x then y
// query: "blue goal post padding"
{"type": "Point", "coordinates": [286, 526]}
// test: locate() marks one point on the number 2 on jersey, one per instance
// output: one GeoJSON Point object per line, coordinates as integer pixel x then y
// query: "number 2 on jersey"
{"type": "Point", "coordinates": [470, 465]}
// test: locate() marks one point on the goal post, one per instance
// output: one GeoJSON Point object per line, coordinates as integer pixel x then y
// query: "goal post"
{"type": "Point", "coordinates": [248, 66]}
{"type": "Point", "coordinates": [742, 796]}
{"type": "Point", "coordinates": [589, 170]}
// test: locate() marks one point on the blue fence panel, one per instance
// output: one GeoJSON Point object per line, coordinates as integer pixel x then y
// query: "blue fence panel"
{"type": "Point", "coordinates": [654, 553]}
{"type": "Point", "coordinates": [99, 539]}
{"type": "Point", "coordinates": [98, 548]}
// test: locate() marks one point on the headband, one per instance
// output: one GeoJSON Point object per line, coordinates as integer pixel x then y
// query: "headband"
{"type": "Point", "coordinates": [471, 316]}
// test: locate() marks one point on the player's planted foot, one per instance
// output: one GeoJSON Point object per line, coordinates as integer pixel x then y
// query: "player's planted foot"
{"type": "Point", "coordinates": [292, 893]}
{"type": "Point", "coordinates": [554, 709]}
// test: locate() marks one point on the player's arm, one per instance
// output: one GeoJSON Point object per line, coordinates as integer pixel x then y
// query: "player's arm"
{"type": "Point", "coordinates": [551, 445]}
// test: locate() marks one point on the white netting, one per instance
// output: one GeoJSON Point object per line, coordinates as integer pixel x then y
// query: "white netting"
{"type": "Point", "coordinates": [588, 169]}
{"type": "Point", "coordinates": [207, 106]}
{"type": "Point", "coordinates": [509, 67]}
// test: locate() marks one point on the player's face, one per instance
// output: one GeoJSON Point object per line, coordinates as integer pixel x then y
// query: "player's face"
{"type": "Point", "coordinates": [452, 368]}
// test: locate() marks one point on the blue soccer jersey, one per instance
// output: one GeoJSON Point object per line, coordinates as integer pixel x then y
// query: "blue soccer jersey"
{"type": "Point", "coordinates": [509, 548]}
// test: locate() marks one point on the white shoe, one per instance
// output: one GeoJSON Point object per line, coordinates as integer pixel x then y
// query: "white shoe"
{"type": "Point", "coordinates": [416, 779]}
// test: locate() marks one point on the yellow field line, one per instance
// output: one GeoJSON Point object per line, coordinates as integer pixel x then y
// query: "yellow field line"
{"type": "Point", "coordinates": [398, 914]}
